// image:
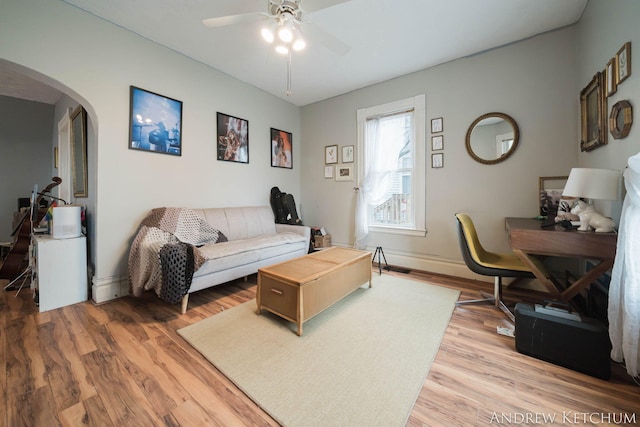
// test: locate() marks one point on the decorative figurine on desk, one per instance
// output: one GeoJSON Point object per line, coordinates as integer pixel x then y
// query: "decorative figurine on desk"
{"type": "Point", "coordinates": [590, 219]}
{"type": "Point", "coordinates": [564, 212]}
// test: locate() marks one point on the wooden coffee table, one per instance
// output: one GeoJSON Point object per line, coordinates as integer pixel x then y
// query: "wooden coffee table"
{"type": "Point", "coordinates": [299, 289]}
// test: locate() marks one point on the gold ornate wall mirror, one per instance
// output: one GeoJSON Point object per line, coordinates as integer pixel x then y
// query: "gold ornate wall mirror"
{"type": "Point", "coordinates": [492, 138]}
{"type": "Point", "coordinates": [621, 119]}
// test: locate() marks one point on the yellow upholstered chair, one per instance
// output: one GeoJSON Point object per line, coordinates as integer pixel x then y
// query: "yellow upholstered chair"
{"type": "Point", "coordinates": [487, 263]}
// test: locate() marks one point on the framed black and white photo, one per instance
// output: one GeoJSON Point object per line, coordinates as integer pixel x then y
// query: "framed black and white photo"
{"type": "Point", "coordinates": [155, 122]}
{"type": "Point", "coordinates": [550, 194]}
{"type": "Point", "coordinates": [233, 139]}
{"type": "Point", "coordinates": [437, 142]}
{"type": "Point", "coordinates": [344, 173]}
{"type": "Point", "coordinates": [281, 149]}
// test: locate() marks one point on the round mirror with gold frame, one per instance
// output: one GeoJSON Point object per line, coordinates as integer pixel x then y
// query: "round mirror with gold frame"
{"type": "Point", "coordinates": [492, 138]}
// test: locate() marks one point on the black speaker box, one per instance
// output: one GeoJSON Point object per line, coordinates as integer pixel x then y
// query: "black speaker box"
{"type": "Point", "coordinates": [583, 346]}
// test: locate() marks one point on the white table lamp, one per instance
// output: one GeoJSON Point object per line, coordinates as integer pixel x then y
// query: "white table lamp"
{"type": "Point", "coordinates": [593, 184]}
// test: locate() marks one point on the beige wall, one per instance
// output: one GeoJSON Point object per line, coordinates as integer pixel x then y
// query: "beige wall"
{"type": "Point", "coordinates": [94, 63]}
{"type": "Point", "coordinates": [534, 81]}
{"type": "Point", "coordinates": [604, 28]}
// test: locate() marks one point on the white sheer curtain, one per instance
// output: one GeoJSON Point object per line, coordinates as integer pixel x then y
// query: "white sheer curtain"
{"type": "Point", "coordinates": [380, 160]}
{"type": "Point", "coordinates": [624, 291]}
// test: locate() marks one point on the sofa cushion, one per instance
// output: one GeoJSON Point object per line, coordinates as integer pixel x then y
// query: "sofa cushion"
{"type": "Point", "coordinates": [240, 222]}
{"type": "Point", "coordinates": [229, 254]}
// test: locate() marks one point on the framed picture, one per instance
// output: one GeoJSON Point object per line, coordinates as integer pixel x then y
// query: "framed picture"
{"type": "Point", "coordinates": [623, 63]}
{"type": "Point", "coordinates": [611, 73]}
{"type": "Point", "coordinates": [550, 194]}
{"type": "Point", "coordinates": [331, 154]}
{"type": "Point", "coordinates": [593, 107]}
{"type": "Point", "coordinates": [347, 154]}
{"type": "Point", "coordinates": [328, 171]}
{"type": "Point", "coordinates": [79, 152]}
{"type": "Point", "coordinates": [155, 123]}
{"type": "Point", "coordinates": [281, 149]}
{"type": "Point", "coordinates": [437, 125]}
{"type": "Point", "coordinates": [437, 142]}
{"type": "Point", "coordinates": [233, 139]}
{"type": "Point", "coordinates": [344, 173]}
{"type": "Point", "coordinates": [437, 160]}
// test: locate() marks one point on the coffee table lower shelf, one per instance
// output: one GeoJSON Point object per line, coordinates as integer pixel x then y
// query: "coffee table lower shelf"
{"type": "Point", "coordinates": [301, 288]}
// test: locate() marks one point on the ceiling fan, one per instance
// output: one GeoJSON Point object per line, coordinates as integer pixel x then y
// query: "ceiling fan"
{"type": "Point", "coordinates": [285, 22]}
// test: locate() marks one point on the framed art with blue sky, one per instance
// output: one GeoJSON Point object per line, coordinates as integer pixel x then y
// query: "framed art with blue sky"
{"type": "Point", "coordinates": [155, 122]}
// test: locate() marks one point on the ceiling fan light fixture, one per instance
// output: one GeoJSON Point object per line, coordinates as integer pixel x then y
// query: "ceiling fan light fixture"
{"type": "Point", "coordinates": [285, 33]}
{"type": "Point", "coordinates": [267, 34]}
{"type": "Point", "coordinates": [282, 49]}
{"type": "Point", "coordinates": [299, 44]}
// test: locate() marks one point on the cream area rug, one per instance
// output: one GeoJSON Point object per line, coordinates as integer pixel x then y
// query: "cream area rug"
{"type": "Point", "coordinates": [362, 362]}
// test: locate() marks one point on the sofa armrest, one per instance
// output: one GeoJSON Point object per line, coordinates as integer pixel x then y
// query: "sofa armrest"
{"type": "Point", "coordinates": [302, 230]}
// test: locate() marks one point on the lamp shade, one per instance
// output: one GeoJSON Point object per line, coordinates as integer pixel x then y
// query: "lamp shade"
{"type": "Point", "coordinates": [597, 184]}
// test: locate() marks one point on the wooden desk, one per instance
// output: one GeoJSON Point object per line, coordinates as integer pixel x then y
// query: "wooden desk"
{"type": "Point", "coordinates": [528, 239]}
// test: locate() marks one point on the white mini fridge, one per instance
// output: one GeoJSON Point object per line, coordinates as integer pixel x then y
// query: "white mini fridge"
{"type": "Point", "coordinates": [60, 271]}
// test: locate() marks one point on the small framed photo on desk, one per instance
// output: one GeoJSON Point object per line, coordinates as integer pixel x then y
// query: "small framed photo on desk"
{"type": "Point", "coordinates": [550, 194]}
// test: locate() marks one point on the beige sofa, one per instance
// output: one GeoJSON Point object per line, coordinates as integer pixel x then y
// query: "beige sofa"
{"type": "Point", "coordinates": [254, 240]}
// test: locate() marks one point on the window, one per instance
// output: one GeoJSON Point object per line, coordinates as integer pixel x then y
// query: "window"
{"type": "Point", "coordinates": [392, 168]}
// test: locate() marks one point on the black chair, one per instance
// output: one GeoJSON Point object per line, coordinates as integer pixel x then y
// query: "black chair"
{"type": "Point", "coordinates": [487, 263]}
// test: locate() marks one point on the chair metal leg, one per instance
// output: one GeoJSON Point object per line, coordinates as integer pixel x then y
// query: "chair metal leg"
{"type": "Point", "coordinates": [496, 299]}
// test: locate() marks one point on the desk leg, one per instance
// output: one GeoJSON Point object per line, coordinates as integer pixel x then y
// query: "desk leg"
{"type": "Point", "coordinates": [551, 287]}
{"type": "Point", "coordinates": [587, 279]}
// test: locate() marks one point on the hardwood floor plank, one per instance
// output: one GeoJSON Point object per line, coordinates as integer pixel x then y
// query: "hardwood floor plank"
{"type": "Point", "coordinates": [232, 407]}
{"type": "Point", "coordinates": [440, 405]}
{"type": "Point", "coordinates": [90, 412]}
{"type": "Point", "coordinates": [162, 392]}
{"type": "Point", "coordinates": [82, 339]}
{"type": "Point", "coordinates": [35, 408]}
{"type": "Point", "coordinates": [124, 402]}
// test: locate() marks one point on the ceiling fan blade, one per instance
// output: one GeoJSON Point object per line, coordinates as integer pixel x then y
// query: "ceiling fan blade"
{"type": "Point", "coordinates": [313, 5]}
{"type": "Point", "coordinates": [222, 21]}
{"type": "Point", "coordinates": [329, 41]}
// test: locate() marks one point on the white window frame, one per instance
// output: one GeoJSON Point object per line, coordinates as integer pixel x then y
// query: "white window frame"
{"type": "Point", "coordinates": [418, 185]}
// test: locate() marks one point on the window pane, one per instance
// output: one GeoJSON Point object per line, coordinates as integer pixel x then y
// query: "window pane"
{"type": "Point", "coordinates": [395, 140]}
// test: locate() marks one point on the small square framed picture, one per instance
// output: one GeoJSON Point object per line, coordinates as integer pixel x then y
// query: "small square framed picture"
{"type": "Point", "coordinates": [347, 154]}
{"type": "Point", "coordinates": [437, 142]}
{"type": "Point", "coordinates": [437, 125]}
{"type": "Point", "coordinates": [437, 160]}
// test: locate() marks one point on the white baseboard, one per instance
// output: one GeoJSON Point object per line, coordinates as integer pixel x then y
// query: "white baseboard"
{"type": "Point", "coordinates": [108, 288]}
{"type": "Point", "coordinates": [438, 266]}
{"type": "Point", "coordinates": [425, 263]}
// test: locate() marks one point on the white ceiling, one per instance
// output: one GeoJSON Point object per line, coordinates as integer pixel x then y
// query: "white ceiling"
{"type": "Point", "coordinates": [388, 38]}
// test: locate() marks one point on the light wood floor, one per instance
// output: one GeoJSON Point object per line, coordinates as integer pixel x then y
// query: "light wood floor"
{"type": "Point", "coordinates": [123, 364]}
